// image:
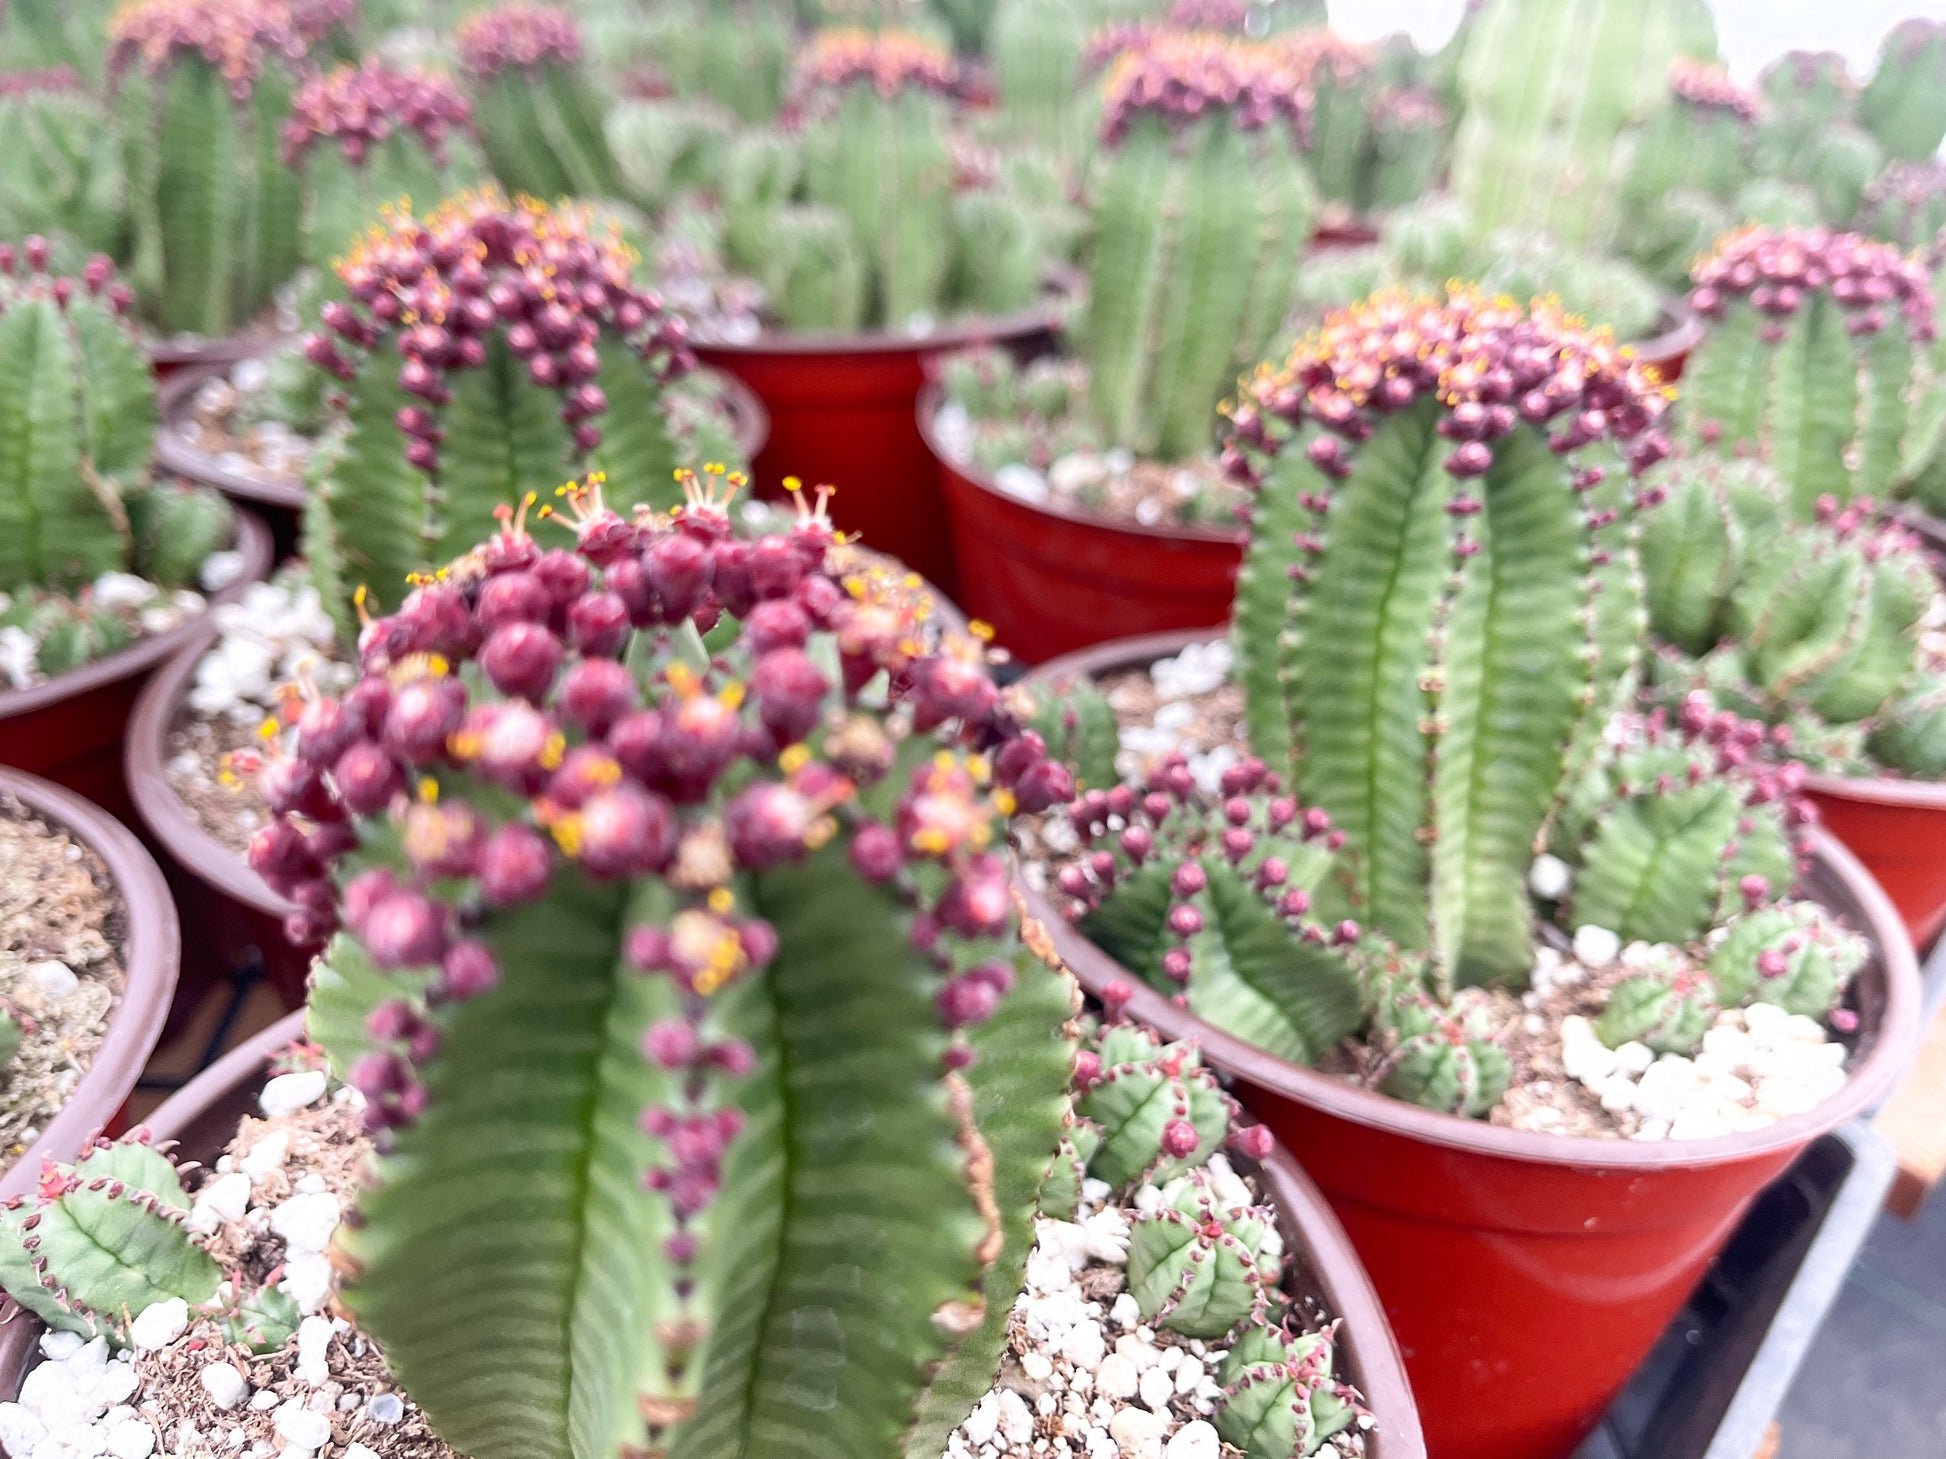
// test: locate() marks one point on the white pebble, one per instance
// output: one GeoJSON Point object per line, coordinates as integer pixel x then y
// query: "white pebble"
{"type": "Point", "coordinates": [1189, 1375]}
{"type": "Point", "coordinates": [1548, 877]}
{"type": "Point", "coordinates": [307, 1280]}
{"type": "Point", "coordinates": [1016, 1420]}
{"type": "Point", "coordinates": [313, 1346]}
{"type": "Point", "coordinates": [1634, 1057]}
{"type": "Point", "coordinates": [1139, 1432]}
{"type": "Point", "coordinates": [1156, 1389]}
{"type": "Point", "coordinates": [1194, 1440]}
{"type": "Point", "coordinates": [1588, 1060]}
{"type": "Point", "coordinates": [1125, 1312]}
{"type": "Point", "coordinates": [20, 1430]}
{"type": "Point", "coordinates": [160, 1324]}
{"type": "Point", "coordinates": [58, 1347]}
{"type": "Point", "coordinates": [52, 979]}
{"type": "Point", "coordinates": [984, 1422]}
{"type": "Point", "coordinates": [289, 1093]}
{"type": "Point", "coordinates": [131, 1439]}
{"type": "Point", "coordinates": [266, 1155]}
{"type": "Point", "coordinates": [222, 1201]}
{"type": "Point", "coordinates": [385, 1408]}
{"type": "Point", "coordinates": [1117, 1377]}
{"type": "Point", "coordinates": [307, 1222]}
{"type": "Point", "coordinates": [358, 1451]}
{"type": "Point", "coordinates": [1597, 947]}
{"type": "Point", "coordinates": [224, 1385]}
{"type": "Point", "coordinates": [1084, 1345]}
{"type": "Point", "coordinates": [296, 1424]}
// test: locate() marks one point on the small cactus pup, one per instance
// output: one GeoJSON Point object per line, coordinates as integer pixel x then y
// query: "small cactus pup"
{"type": "Point", "coordinates": [103, 1240]}
{"type": "Point", "coordinates": [540, 119]}
{"type": "Point", "coordinates": [88, 544]}
{"type": "Point", "coordinates": [205, 89]}
{"type": "Point", "coordinates": [1200, 192]}
{"type": "Point", "coordinates": [368, 135]}
{"type": "Point", "coordinates": [63, 176]}
{"type": "Point", "coordinates": [1811, 358]}
{"type": "Point", "coordinates": [1196, 1267]}
{"type": "Point", "coordinates": [672, 899]}
{"type": "Point", "coordinates": [1687, 165]}
{"type": "Point", "coordinates": [1904, 104]}
{"type": "Point", "coordinates": [480, 348]}
{"type": "Point", "coordinates": [1485, 457]}
{"type": "Point", "coordinates": [1279, 1398]}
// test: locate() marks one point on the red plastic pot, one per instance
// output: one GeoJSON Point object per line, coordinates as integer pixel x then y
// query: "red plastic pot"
{"type": "Point", "coordinates": [1669, 349]}
{"type": "Point", "coordinates": [171, 357]}
{"type": "Point", "coordinates": [233, 921]}
{"type": "Point", "coordinates": [71, 729]}
{"type": "Point", "coordinates": [841, 414]}
{"type": "Point", "coordinates": [1897, 828]}
{"type": "Point", "coordinates": [1525, 1275]}
{"type": "Point", "coordinates": [150, 958]}
{"type": "Point", "coordinates": [1051, 580]}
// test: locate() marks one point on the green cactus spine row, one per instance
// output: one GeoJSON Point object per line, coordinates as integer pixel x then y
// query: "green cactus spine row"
{"type": "Point", "coordinates": [103, 1240]}
{"type": "Point", "coordinates": [1550, 93]}
{"type": "Point", "coordinates": [206, 87]}
{"type": "Point", "coordinates": [369, 136]}
{"type": "Point", "coordinates": [480, 349]}
{"type": "Point", "coordinates": [1201, 191]}
{"type": "Point", "coordinates": [539, 116]}
{"type": "Point", "coordinates": [1373, 146]}
{"type": "Point", "coordinates": [1810, 358]}
{"type": "Point", "coordinates": [63, 174]}
{"type": "Point", "coordinates": [699, 902]}
{"type": "Point", "coordinates": [1437, 609]}
{"type": "Point", "coordinates": [1904, 104]}
{"type": "Point", "coordinates": [1037, 52]}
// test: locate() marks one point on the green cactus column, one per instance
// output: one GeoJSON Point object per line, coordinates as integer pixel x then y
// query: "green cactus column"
{"type": "Point", "coordinates": [1199, 194]}
{"type": "Point", "coordinates": [64, 176]}
{"type": "Point", "coordinates": [1810, 358]}
{"type": "Point", "coordinates": [1037, 51]}
{"type": "Point", "coordinates": [539, 117]}
{"type": "Point", "coordinates": [1904, 104]}
{"type": "Point", "coordinates": [1437, 602]}
{"type": "Point", "coordinates": [1550, 91]}
{"type": "Point", "coordinates": [370, 136]}
{"type": "Point", "coordinates": [712, 1077]}
{"type": "Point", "coordinates": [1342, 79]}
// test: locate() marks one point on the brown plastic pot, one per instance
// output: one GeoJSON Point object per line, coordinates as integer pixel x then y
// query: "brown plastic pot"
{"type": "Point", "coordinates": [841, 414]}
{"type": "Point", "coordinates": [71, 729]}
{"type": "Point", "coordinates": [203, 1116]}
{"type": "Point", "coordinates": [1051, 579]}
{"type": "Point", "coordinates": [150, 959]}
{"type": "Point", "coordinates": [233, 921]}
{"type": "Point", "coordinates": [1897, 828]}
{"type": "Point", "coordinates": [1525, 1275]}
{"type": "Point", "coordinates": [280, 500]}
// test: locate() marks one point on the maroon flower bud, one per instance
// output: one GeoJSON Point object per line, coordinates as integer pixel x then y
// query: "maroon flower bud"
{"type": "Point", "coordinates": [443, 840]}
{"type": "Point", "coordinates": [671, 1045]}
{"type": "Point", "coordinates": [966, 1001]}
{"type": "Point", "coordinates": [521, 659]}
{"type": "Point", "coordinates": [598, 625]}
{"type": "Point", "coordinates": [421, 717]}
{"type": "Point", "coordinates": [677, 569]}
{"type": "Point", "coordinates": [790, 692]}
{"type": "Point", "coordinates": [779, 623]}
{"type": "Point", "coordinates": [405, 930]}
{"type": "Point", "coordinates": [1179, 1139]}
{"type": "Point", "coordinates": [596, 693]}
{"type": "Point", "coordinates": [875, 853]}
{"type": "Point", "coordinates": [626, 831]}
{"type": "Point", "coordinates": [513, 597]}
{"type": "Point", "coordinates": [364, 892]}
{"type": "Point", "coordinates": [1087, 1070]}
{"type": "Point", "coordinates": [467, 971]}
{"type": "Point", "coordinates": [514, 865]}
{"type": "Point", "coordinates": [281, 855]}
{"type": "Point", "coordinates": [768, 825]}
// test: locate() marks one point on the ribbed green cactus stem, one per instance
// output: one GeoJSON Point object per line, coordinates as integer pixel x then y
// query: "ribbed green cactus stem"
{"type": "Point", "coordinates": [1809, 357]}
{"type": "Point", "coordinates": [1839, 167]}
{"type": "Point", "coordinates": [760, 174]}
{"type": "Point", "coordinates": [1717, 517]}
{"type": "Point", "coordinates": [1280, 1400]}
{"type": "Point", "coordinates": [1078, 724]}
{"type": "Point", "coordinates": [1156, 1109]}
{"type": "Point", "coordinates": [1340, 75]}
{"type": "Point", "coordinates": [63, 174]}
{"type": "Point", "coordinates": [721, 940]}
{"type": "Point", "coordinates": [1911, 735]}
{"type": "Point", "coordinates": [815, 276]}
{"type": "Point", "coordinates": [1906, 205]}
{"type": "Point", "coordinates": [1699, 142]}
{"type": "Point", "coordinates": [1036, 50]}
{"type": "Point", "coordinates": [1795, 956]}
{"type": "Point", "coordinates": [1550, 92]}
{"type": "Point", "coordinates": [1669, 1005]}
{"type": "Point", "coordinates": [998, 253]}
{"type": "Point", "coordinates": [77, 422]}
{"type": "Point", "coordinates": [1196, 1264]}
{"type": "Point", "coordinates": [1195, 209]}
{"type": "Point", "coordinates": [1904, 104]}
{"type": "Point", "coordinates": [1438, 1057]}
{"type": "Point", "coordinates": [1437, 607]}
{"type": "Point", "coordinates": [540, 118]}
{"type": "Point", "coordinates": [1408, 127]}
{"type": "Point", "coordinates": [1804, 93]}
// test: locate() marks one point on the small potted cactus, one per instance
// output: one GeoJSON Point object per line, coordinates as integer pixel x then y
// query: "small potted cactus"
{"type": "Point", "coordinates": [1826, 630]}
{"type": "Point", "coordinates": [92, 940]}
{"type": "Point", "coordinates": [102, 566]}
{"type": "Point", "coordinates": [1447, 821]}
{"type": "Point", "coordinates": [540, 117]}
{"type": "Point", "coordinates": [204, 89]}
{"type": "Point", "coordinates": [881, 242]}
{"type": "Point", "coordinates": [548, 360]}
{"type": "Point", "coordinates": [1085, 495]}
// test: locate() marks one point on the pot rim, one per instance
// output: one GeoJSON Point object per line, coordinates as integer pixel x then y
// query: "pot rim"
{"type": "Point", "coordinates": [156, 802]}
{"type": "Point", "coordinates": [932, 398]}
{"type": "Point", "coordinates": [1061, 291]}
{"type": "Point", "coordinates": [252, 539]}
{"type": "Point", "coordinates": [1895, 1035]}
{"type": "Point", "coordinates": [175, 454]}
{"type": "Point", "coordinates": [150, 963]}
{"type": "Point", "coordinates": [1681, 330]}
{"type": "Point", "coordinates": [223, 349]}
{"type": "Point", "coordinates": [1884, 790]}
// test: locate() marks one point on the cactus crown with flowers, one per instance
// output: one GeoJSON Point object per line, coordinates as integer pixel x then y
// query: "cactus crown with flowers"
{"type": "Point", "coordinates": [238, 37]}
{"type": "Point", "coordinates": [678, 951]}
{"type": "Point", "coordinates": [540, 118]}
{"type": "Point", "coordinates": [887, 62]}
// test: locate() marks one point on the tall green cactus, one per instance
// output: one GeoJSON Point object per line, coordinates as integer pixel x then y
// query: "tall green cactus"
{"type": "Point", "coordinates": [63, 174]}
{"type": "Point", "coordinates": [1904, 104]}
{"type": "Point", "coordinates": [1201, 191]}
{"type": "Point", "coordinates": [547, 363]}
{"type": "Point", "coordinates": [711, 1078]}
{"type": "Point", "coordinates": [539, 117]}
{"type": "Point", "coordinates": [1551, 92]}
{"type": "Point", "coordinates": [1810, 358]}
{"type": "Point", "coordinates": [206, 87]}
{"type": "Point", "coordinates": [365, 137]}
{"type": "Point", "coordinates": [1686, 164]}
{"type": "Point", "coordinates": [1037, 51]}
{"type": "Point", "coordinates": [1445, 482]}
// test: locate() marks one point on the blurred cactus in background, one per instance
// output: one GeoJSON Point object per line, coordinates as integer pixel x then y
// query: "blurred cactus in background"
{"type": "Point", "coordinates": [1906, 204]}
{"type": "Point", "coordinates": [1904, 104]}
{"type": "Point", "coordinates": [539, 116]}
{"type": "Point", "coordinates": [62, 177]}
{"type": "Point", "coordinates": [1686, 165]}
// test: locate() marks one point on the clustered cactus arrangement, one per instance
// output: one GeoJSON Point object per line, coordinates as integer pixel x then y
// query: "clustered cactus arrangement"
{"type": "Point", "coordinates": [539, 119]}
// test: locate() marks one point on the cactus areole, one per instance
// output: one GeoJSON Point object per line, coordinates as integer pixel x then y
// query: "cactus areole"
{"type": "Point", "coordinates": [679, 854]}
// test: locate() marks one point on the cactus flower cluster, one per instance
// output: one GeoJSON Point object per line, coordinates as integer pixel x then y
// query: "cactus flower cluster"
{"type": "Point", "coordinates": [540, 116]}
{"type": "Point", "coordinates": [887, 62]}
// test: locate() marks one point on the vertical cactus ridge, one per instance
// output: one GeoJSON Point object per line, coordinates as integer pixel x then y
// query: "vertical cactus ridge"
{"type": "Point", "coordinates": [540, 122]}
{"type": "Point", "coordinates": [1454, 459]}
{"type": "Point", "coordinates": [1036, 49]}
{"type": "Point", "coordinates": [1904, 104]}
{"type": "Point", "coordinates": [65, 175]}
{"type": "Point", "coordinates": [679, 982]}
{"type": "Point", "coordinates": [1794, 364]}
{"type": "Point", "coordinates": [1336, 71]}
{"type": "Point", "coordinates": [199, 207]}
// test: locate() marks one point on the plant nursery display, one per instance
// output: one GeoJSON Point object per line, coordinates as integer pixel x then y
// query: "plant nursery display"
{"type": "Point", "coordinates": [1439, 486]}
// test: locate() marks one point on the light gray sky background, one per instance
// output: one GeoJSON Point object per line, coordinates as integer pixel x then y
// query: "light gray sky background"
{"type": "Point", "coordinates": [1751, 31]}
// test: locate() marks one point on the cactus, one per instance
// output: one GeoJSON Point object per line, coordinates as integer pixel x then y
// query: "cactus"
{"type": "Point", "coordinates": [733, 53]}
{"type": "Point", "coordinates": [486, 347]}
{"type": "Point", "coordinates": [1201, 190]}
{"type": "Point", "coordinates": [1279, 1399]}
{"type": "Point", "coordinates": [1338, 74]}
{"type": "Point", "coordinates": [1155, 1112]}
{"type": "Point", "coordinates": [751, 893]}
{"type": "Point", "coordinates": [1037, 50]}
{"type": "Point", "coordinates": [1810, 357]}
{"type": "Point", "coordinates": [1076, 722]}
{"type": "Point", "coordinates": [664, 147]}
{"type": "Point", "coordinates": [1904, 104]}
{"type": "Point", "coordinates": [47, 34]}
{"type": "Point", "coordinates": [369, 135]}
{"type": "Point", "coordinates": [1906, 204]}
{"type": "Point", "coordinates": [1437, 1057]}
{"type": "Point", "coordinates": [1408, 128]}
{"type": "Point", "coordinates": [1551, 92]}
{"type": "Point", "coordinates": [1445, 532]}
{"type": "Point", "coordinates": [1686, 164]}
{"type": "Point", "coordinates": [63, 176]}
{"type": "Point", "coordinates": [1196, 1265]}
{"type": "Point", "coordinates": [539, 117]}
{"type": "Point", "coordinates": [1804, 94]}
{"type": "Point", "coordinates": [206, 86]}
{"type": "Point", "coordinates": [103, 1240]}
